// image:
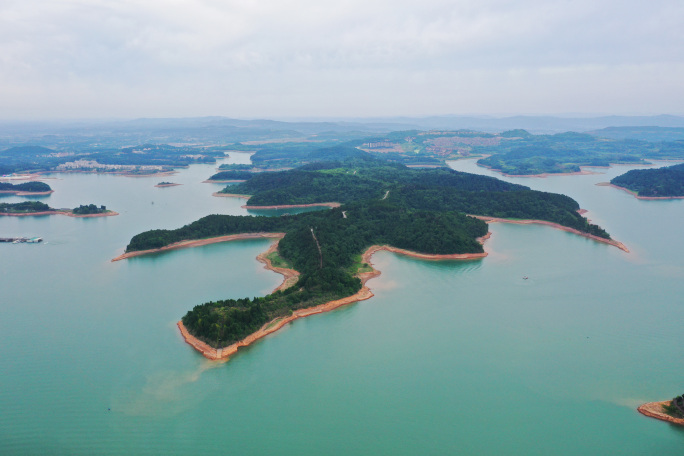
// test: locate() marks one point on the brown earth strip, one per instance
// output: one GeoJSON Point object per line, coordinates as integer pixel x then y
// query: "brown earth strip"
{"type": "Point", "coordinates": [655, 410]}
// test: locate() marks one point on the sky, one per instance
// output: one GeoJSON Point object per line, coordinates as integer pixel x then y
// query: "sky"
{"type": "Point", "coordinates": [348, 58]}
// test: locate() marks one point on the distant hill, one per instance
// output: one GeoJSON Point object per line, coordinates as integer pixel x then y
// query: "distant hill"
{"type": "Point", "coordinates": [651, 134]}
{"type": "Point", "coordinates": [26, 151]}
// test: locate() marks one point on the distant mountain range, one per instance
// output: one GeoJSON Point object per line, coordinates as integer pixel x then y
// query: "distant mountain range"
{"type": "Point", "coordinates": [118, 133]}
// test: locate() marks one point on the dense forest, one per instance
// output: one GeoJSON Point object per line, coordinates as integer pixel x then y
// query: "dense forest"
{"type": "Point", "coordinates": [32, 187]}
{"type": "Point", "coordinates": [661, 182]}
{"type": "Point", "coordinates": [384, 203]}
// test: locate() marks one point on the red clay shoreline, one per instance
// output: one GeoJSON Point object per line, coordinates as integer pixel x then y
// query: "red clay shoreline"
{"type": "Point", "coordinates": [272, 326]}
{"type": "Point", "coordinates": [199, 242]}
{"type": "Point", "coordinates": [290, 277]}
{"type": "Point", "coordinates": [612, 242]}
{"type": "Point", "coordinates": [68, 214]}
{"type": "Point", "coordinates": [636, 195]}
{"type": "Point", "coordinates": [655, 410]}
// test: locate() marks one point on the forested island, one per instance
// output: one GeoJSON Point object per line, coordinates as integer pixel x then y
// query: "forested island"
{"type": "Point", "coordinates": [25, 207]}
{"type": "Point", "coordinates": [26, 188]}
{"type": "Point", "coordinates": [39, 208]}
{"type": "Point", "coordinates": [89, 209]}
{"type": "Point", "coordinates": [383, 203]}
{"type": "Point", "coordinates": [658, 183]}
{"type": "Point", "coordinates": [166, 184]}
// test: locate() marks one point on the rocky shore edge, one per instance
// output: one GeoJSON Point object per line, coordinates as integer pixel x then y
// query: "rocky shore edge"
{"type": "Point", "coordinates": [612, 242]}
{"type": "Point", "coordinates": [655, 410]}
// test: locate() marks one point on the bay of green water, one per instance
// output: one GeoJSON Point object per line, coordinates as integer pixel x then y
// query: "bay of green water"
{"type": "Point", "coordinates": [447, 358]}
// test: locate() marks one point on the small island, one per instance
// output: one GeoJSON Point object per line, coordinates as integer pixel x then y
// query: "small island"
{"type": "Point", "coordinates": [671, 411]}
{"type": "Point", "coordinates": [650, 184]}
{"type": "Point", "coordinates": [27, 208]}
{"type": "Point", "coordinates": [26, 188]}
{"type": "Point", "coordinates": [381, 205]}
{"type": "Point", "coordinates": [166, 184]}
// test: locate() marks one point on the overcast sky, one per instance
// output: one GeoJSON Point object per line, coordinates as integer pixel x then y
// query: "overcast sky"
{"type": "Point", "coordinates": [296, 58]}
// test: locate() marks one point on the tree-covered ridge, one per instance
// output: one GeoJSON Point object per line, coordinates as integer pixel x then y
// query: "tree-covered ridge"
{"type": "Point", "coordinates": [384, 203]}
{"type": "Point", "coordinates": [328, 274]}
{"type": "Point", "coordinates": [661, 182]}
{"type": "Point", "coordinates": [429, 189]}
{"type": "Point", "coordinates": [32, 187]}
{"type": "Point", "coordinates": [567, 152]}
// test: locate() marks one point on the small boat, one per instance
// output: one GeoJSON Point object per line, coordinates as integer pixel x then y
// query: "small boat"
{"type": "Point", "coordinates": [525, 277]}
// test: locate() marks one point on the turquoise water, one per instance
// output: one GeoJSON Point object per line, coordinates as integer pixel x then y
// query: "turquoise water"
{"type": "Point", "coordinates": [447, 358]}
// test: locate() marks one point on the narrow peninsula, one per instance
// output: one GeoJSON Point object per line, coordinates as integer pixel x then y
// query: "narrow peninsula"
{"type": "Point", "coordinates": [382, 205]}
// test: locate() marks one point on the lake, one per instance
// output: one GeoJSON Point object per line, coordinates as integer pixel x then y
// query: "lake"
{"type": "Point", "coordinates": [447, 358]}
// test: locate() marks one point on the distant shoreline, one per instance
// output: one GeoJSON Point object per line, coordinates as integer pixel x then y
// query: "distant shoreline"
{"type": "Point", "coordinates": [581, 172]}
{"type": "Point", "coordinates": [68, 214]}
{"type": "Point", "coordinates": [612, 242]}
{"type": "Point", "coordinates": [636, 195]}
{"type": "Point", "coordinates": [272, 326]}
{"type": "Point", "coordinates": [292, 206]}
{"type": "Point", "coordinates": [233, 195]}
{"type": "Point", "coordinates": [23, 193]}
{"type": "Point", "coordinates": [226, 181]}
{"type": "Point", "coordinates": [655, 410]}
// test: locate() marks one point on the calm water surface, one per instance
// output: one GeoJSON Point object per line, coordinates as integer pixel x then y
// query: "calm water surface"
{"type": "Point", "coordinates": [447, 358]}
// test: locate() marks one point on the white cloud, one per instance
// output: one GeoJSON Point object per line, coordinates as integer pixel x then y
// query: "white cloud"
{"type": "Point", "coordinates": [305, 57]}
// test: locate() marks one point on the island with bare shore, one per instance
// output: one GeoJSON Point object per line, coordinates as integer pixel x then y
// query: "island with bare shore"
{"type": "Point", "coordinates": [325, 254]}
{"type": "Point", "coordinates": [33, 188]}
{"type": "Point", "coordinates": [671, 411]}
{"type": "Point", "coordinates": [166, 184]}
{"type": "Point", "coordinates": [28, 208]}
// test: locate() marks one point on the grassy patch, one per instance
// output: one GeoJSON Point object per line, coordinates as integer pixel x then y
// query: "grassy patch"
{"type": "Point", "coordinates": [278, 261]}
{"type": "Point", "coordinates": [359, 267]}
